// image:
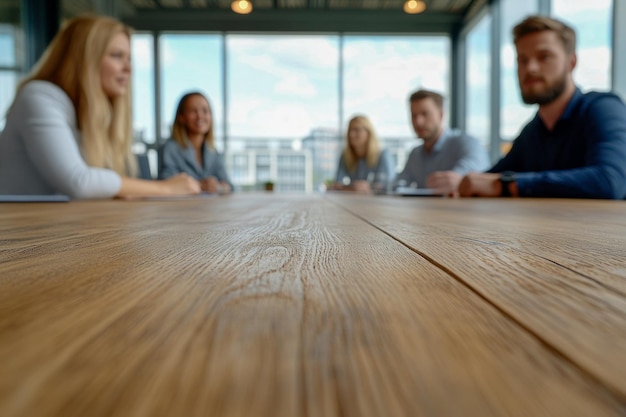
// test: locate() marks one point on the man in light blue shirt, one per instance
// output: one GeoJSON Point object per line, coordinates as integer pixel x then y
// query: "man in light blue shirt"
{"type": "Point", "coordinates": [446, 155]}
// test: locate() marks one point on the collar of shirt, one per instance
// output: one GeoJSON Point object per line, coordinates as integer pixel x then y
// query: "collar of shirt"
{"type": "Point", "coordinates": [578, 95]}
{"type": "Point", "coordinates": [567, 113]}
{"type": "Point", "coordinates": [445, 134]}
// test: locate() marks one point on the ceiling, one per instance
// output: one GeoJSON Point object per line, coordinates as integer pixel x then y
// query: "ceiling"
{"type": "Point", "coordinates": [354, 16]}
{"type": "Point", "coordinates": [447, 6]}
{"type": "Point", "coordinates": [367, 16]}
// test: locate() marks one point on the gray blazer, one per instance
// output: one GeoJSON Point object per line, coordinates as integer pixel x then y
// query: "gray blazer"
{"type": "Point", "coordinates": [175, 160]}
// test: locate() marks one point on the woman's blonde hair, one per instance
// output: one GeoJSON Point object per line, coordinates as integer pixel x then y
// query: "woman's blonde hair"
{"type": "Point", "coordinates": [179, 131]}
{"type": "Point", "coordinates": [72, 61]}
{"type": "Point", "coordinates": [373, 145]}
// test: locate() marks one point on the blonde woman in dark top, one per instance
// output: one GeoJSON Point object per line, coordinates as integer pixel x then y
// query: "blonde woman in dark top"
{"type": "Point", "coordinates": [191, 149]}
{"type": "Point", "coordinates": [363, 165]}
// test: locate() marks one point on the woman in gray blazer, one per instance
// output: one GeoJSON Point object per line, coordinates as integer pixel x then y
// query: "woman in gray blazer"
{"type": "Point", "coordinates": [192, 147]}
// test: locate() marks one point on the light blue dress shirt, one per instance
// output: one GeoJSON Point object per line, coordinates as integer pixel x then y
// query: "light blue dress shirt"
{"type": "Point", "coordinates": [453, 151]}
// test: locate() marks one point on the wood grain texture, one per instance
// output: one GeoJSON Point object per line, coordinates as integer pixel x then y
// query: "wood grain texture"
{"type": "Point", "coordinates": [558, 267]}
{"type": "Point", "coordinates": [259, 305]}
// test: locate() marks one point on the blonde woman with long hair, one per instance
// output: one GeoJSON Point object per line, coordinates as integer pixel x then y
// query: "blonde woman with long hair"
{"type": "Point", "coordinates": [192, 147]}
{"type": "Point", "coordinates": [363, 165]}
{"type": "Point", "coordinates": [69, 128]}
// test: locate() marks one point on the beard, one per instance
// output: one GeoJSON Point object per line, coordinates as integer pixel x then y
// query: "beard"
{"type": "Point", "coordinates": [430, 135]}
{"type": "Point", "coordinates": [552, 92]}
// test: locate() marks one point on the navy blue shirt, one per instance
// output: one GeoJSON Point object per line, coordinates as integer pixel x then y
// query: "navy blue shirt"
{"type": "Point", "coordinates": [584, 156]}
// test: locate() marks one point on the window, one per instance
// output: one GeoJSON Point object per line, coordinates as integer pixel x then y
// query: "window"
{"type": "Point", "coordinates": [191, 62]}
{"type": "Point", "coordinates": [10, 66]}
{"type": "Point", "coordinates": [592, 21]}
{"type": "Point", "coordinates": [478, 79]}
{"type": "Point", "coordinates": [142, 60]}
{"type": "Point", "coordinates": [514, 114]}
{"type": "Point", "coordinates": [276, 98]}
{"type": "Point", "coordinates": [7, 46]}
{"type": "Point", "coordinates": [142, 47]}
{"type": "Point", "coordinates": [8, 84]}
{"type": "Point", "coordinates": [379, 75]}
{"type": "Point", "coordinates": [239, 171]}
{"type": "Point", "coordinates": [284, 89]}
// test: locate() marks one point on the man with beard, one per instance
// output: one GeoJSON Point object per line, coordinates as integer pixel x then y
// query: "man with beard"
{"type": "Point", "coordinates": [576, 145]}
{"type": "Point", "coordinates": [446, 155]}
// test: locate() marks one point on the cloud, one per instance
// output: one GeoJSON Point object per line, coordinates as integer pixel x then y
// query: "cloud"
{"type": "Point", "coordinates": [296, 85]}
{"type": "Point", "coordinates": [478, 75]}
{"type": "Point", "coordinates": [263, 118]}
{"type": "Point", "coordinates": [508, 58]}
{"type": "Point", "coordinates": [583, 7]}
{"type": "Point", "coordinates": [142, 52]}
{"type": "Point", "coordinates": [307, 52]}
{"type": "Point", "coordinates": [513, 118]}
{"type": "Point", "coordinates": [272, 53]}
{"type": "Point", "coordinates": [294, 66]}
{"type": "Point", "coordinates": [593, 70]}
{"type": "Point", "coordinates": [386, 71]}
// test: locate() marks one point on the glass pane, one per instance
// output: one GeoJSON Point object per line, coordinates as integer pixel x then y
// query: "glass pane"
{"type": "Point", "coordinates": [478, 78]}
{"type": "Point", "coordinates": [379, 75]}
{"type": "Point", "coordinates": [593, 23]}
{"type": "Point", "coordinates": [283, 100]}
{"type": "Point", "coordinates": [11, 34]}
{"type": "Point", "coordinates": [514, 114]}
{"type": "Point", "coordinates": [143, 87]}
{"type": "Point", "coordinates": [11, 55]}
{"type": "Point", "coordinates": [7, 45]}
{"type": "Point", "coordinates": [191, 62]}
{"type": "Point", "coordinates": [8, 84]}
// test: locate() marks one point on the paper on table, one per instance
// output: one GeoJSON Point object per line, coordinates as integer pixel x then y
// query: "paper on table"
{"type": "Point", "coordinates": [418, 192]}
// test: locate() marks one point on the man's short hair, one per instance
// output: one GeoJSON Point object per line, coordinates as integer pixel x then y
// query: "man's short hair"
{"type": "Point", "coordinates": [424, 94]}
{"type": "Point", "coordinates": [533, 24]}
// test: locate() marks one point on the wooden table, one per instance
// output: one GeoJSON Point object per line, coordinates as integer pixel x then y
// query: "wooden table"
{"type": "Point", "coordinates": [313, 305]}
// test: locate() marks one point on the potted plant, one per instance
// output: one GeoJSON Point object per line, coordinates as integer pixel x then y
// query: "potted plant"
{"type": "Point", "coordinates": [268, 185]}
